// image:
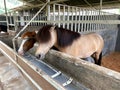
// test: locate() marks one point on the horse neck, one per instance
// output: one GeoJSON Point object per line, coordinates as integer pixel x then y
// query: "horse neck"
{"type": "Point", "coordinates": [54, 37]}
{"type": "Point", "coordinates": [55, 44]}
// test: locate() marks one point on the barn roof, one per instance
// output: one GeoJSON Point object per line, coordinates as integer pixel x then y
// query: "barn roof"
{"type": "Point", "coordinates": [27, 4]}
{"type": "Point", "coordinates": [85, 3]}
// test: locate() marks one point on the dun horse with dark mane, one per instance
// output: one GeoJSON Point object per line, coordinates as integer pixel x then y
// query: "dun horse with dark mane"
{"type": "Point", "coordinates": [72, 43]}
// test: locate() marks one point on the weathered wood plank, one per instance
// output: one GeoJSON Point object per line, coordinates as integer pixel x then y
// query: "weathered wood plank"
{"type": "Point", "coordinates": [93, 76]}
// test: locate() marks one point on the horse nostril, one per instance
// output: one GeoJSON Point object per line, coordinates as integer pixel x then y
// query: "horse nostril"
{"type": "Point", "coordinates": [38, 56]}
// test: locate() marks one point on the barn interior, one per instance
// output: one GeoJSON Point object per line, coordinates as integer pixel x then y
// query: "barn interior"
{"type": "Point", "coordinates": [81, 16]}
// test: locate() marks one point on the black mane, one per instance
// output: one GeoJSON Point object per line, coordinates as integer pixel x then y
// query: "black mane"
{"type": "Point", "coordinates": [43, 34]}
{"type": "Point", "coordinates": [66, 37]}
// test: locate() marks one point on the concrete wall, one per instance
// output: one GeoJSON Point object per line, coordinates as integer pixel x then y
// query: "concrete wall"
{"type": "Point", "coordinates": [118, 39]}
{"type": "Point", "coordinates": [110, 37]}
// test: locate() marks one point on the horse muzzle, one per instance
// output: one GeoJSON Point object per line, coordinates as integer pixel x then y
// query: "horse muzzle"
{"type": "Point", "coordinates": [40, 56]}
{"type": "Point", "coordinates": [21, 52]}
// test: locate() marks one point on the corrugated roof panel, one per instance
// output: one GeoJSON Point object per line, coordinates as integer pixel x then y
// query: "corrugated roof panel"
{"type": "Point", "coordinates": [9, 4]}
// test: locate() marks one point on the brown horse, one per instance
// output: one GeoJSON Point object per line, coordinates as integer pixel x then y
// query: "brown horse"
{"type": "Point", "coordinates": [72, 43]}
{"type": "Point", "coordinates": [27, 42]}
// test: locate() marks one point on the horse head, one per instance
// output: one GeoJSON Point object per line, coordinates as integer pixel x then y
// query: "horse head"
{"type": "Point", "coordinates": [28, 40]}
{"type": "Point", "coordinates": [46, 38]}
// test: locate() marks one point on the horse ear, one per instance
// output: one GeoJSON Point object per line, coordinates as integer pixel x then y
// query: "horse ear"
{"type": "Point", "coordinates": [52, 28]}
{"type": "Point", "coordinates": [33, 33]}
{"type": "Point", "coordinates": [23, 35]}
{"type": "Point", "coordinates": [36, 31]}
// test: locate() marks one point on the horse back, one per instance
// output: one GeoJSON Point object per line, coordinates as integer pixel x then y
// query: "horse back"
{"type": "Point", "coordinates": [95, 39]}
{"type": "Point", "coordinates": [89, 44]}
{"type": "Point", "coordinates": [85, 45]}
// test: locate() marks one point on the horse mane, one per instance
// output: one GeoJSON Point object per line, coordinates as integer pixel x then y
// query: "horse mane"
{"type": "Point", "coordinates": [66, 37]}
{"type": "Point", "coordinates": [43, 34]}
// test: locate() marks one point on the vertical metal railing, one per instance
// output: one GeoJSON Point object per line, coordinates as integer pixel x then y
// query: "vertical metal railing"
{"type": "Point", "coordinates": [73, 15]}
{"type": "Point", "coordinates": [6, 14]}
{"type": "Point", "coordinates": [73, 18]}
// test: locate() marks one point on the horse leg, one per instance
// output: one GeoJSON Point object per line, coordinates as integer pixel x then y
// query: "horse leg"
{"type": "Point", "coordinates": [97, 57]}
{"type": "Point", "coordinates": [100, 59]}
{"type": "Point", "coordinates": [94, 57]}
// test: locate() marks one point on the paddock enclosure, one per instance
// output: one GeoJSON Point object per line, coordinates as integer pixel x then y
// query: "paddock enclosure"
{"type": "Point", "coordinates": [59, 71]}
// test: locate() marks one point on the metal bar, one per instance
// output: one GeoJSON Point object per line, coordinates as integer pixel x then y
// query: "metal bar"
{"type": "Point", "coordinates": [94, 18]}
{"type": "Point", "coordinates": [103, 17]}
{"type": "Point", "coordinates": [76, 9]}
{"type": "Point", "coordinates": [54, 16]}
{"type": "Point", "coordinates": [59, 16]}
{"type": "Point", "coordinates": [24, 17]}
{"type": "Point", "coordinates": [68, 16]}
{"type": "Point", "coordinates": [33, 19]}
{"type": "Point", "coordinates": [63, 16]}
{"type": "Point", "coordinates": [15, 19]}
{"type": "Point", "coordinates": [82, 19]}
{"type": "Point", "coordinates": [88, 18]}
{"type": "Point", "coordinates": [79, 16]}
{"type": "Point", "coordinates": [6, 14]}
{"type": "Point", "coordinates": [39, 19]}
{"type": "Point", "coordinates": [100, 25]}
{"type": "Point", "coordinates": [85, 21]}
{"type": "Point", "coordinates": [72, 19]}
{"type": "Point", "coordinates": [101, 4]}
{"type": "Point", "coordinates": [3, 21]}
{"type": "Point", "coordinates": [100, 11]}
{"type": "Point", "coordinates": [98, 16]}
{"type": "Point", "coordinates": [48, 11]}
{"type": "Point", "coordinates": [10, 16]}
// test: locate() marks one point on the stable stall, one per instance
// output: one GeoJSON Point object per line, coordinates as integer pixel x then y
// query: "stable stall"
{"type": "Point", "coordinates": [58, 70]}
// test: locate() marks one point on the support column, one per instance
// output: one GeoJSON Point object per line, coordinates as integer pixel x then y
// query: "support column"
{"type": "Point", "coordinates": [48, 11]}
{"type": "Point", "coordinates": [6, 15]}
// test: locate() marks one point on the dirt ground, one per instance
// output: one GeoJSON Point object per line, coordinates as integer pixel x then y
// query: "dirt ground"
{"type": "Point", "coordinates": [112, 61]}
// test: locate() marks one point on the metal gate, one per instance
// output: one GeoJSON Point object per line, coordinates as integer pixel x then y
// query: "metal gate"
{"type": "Point", "coordinates": [74, 18]}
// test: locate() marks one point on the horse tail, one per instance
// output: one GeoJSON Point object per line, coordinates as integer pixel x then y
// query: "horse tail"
{"type": "Point", "coordinates": [100, 59]}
